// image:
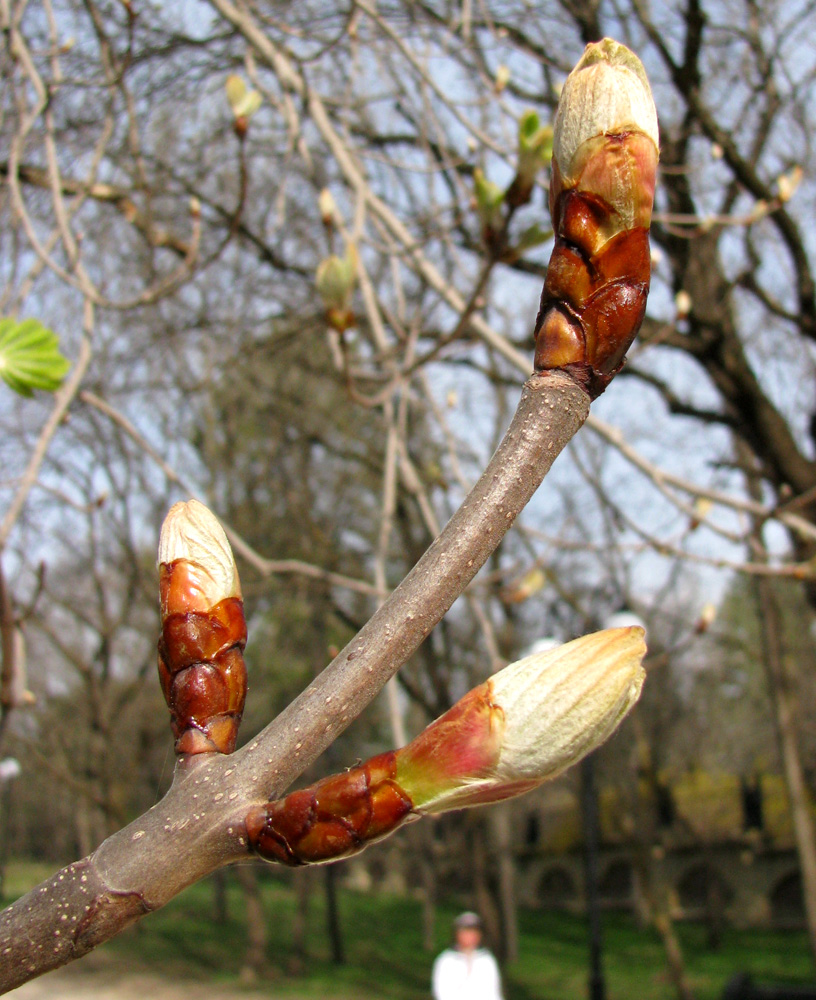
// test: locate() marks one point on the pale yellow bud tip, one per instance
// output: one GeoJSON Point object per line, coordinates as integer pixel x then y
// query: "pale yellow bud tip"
{"type": "Point", "coordinates": [562, 703]}
{"type": "Point", "coordinates": [607, 93]}
{"type": "Point", "coordinates": [191, 532]}
{"type": "Point", "coordinates": [502, 78]}
{"type": "Point", "coordinates": [327, 207]}
{"type": "Point", "coordinates": [682, 303]}
{"type": "Point", "coordinates": [525, 724]}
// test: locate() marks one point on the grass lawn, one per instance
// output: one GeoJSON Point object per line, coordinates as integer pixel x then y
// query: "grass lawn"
{"type": "Point", "coordinates": [385, 958]}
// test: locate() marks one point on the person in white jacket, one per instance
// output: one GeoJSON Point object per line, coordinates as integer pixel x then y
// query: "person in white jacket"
{"type": "Point", "coordinates": [466, 971]}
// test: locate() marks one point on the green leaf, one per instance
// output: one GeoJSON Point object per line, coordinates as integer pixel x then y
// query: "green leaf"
{"type": "Point", "coordinates": [29, 357]}
{"type": "Point", "coordinates": [489, 195]}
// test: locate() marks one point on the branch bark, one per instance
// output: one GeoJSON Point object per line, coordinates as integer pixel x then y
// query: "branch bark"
{"type": "Point", "coordinates": [199, 825]}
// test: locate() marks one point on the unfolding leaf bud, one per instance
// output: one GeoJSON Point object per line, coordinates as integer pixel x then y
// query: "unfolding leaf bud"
{"type": "Point", "coordinates": [683, 304]}
{"type": "Point", "coordinates": [489, 199]}
{"type": "Point", "coordinates": [525, 724]}
{"type": "Point", "coordinates": [535, 145]}
{"type": "Point", "coordinates": [707, 618]}
{"type": "Point", "coordinates": [14, 691]}
{"type": "Point", "coordinates": [243, 102]}
{"type": "Point", "coordinates": [605, 150]}
{"type": "Point", "coordinates": [235, 89]}
{"type": "Point", "coordinates": [562, 703]}
{"type": "Point", "coordinates": [201, 664]}
{"type": "Point", "coordinates": [702, 508]}
{"type": "Point", "coordinates": [193, 538]}
{"type": "Point", "coordinates": [607, 93]}
{"type": "Point", "coordinates": [788, 183]}
{"type": "Point", "coordinates": [523, 589]}
{"type": "Point", "coordinates": [335, 280]}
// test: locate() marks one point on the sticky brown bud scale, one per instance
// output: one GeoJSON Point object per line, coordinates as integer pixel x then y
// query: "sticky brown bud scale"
{"type": "Point", "coordinates": [202, 672]}
{"type": "Point", "coordinates": [201, 665]}
{"type": "Point", "coordinates": [334, 818]}
{"type": "Point", "coordinates": [601, 195]}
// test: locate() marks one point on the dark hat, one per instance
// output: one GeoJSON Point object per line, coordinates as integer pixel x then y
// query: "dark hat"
{"type": "Point", "coordinates": [468, 919]}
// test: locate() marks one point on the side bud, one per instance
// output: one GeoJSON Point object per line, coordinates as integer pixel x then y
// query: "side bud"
{"type": "Point", "coordinates": [535, 148]}
{"type": "Point", "coordinates": [605, 152]}
{"type": "Point", "coordinates": [521, 727]}
{"type": "Point", "coordinates": [201, 663]}
{"type": "Point", "coordinates": [525, 724]}
{"type": "Point", "coordinates": [489, 201]}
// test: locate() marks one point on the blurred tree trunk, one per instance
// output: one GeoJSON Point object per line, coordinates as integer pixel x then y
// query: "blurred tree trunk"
{"type": "Point", "coordinates": [653, 893]}
{"type": "Point", "coordinates": [255, 957]}
{"type": "Point", "coordinates": [5, 816]}
{"type": "Point", "coordinates": [333, 929]}
{"type": "Point", "coordinates": [421, 845]}
{"type": "Point", "coordinates": [304, 882]}
{"type": "Point", "coordinates": [428, 904]}
{"type": "Point", "coordinates": [782, 685]}
{"type": "Point", "coordinates": [674, 953]}
{"type": "Point", "coordinates": [220, 907]}
{"type": "Point", "coordinates": [84, 826]}
{"type": "Point", "coordinates": [715, 913]}
{"type": "Point", "coordinates": [592, 835]}
{"type": "Point", "coordinates": [501, 831]}
{"type": "Point", "coordinates": [485, 901]}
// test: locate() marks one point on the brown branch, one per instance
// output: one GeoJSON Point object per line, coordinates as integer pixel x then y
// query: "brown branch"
{"type": "Point", "coordinates": [199, 825]}
{"type": "Point", "coordinates": [674, 401]}
{"type": "Point", "coordinates": [663, 480]}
